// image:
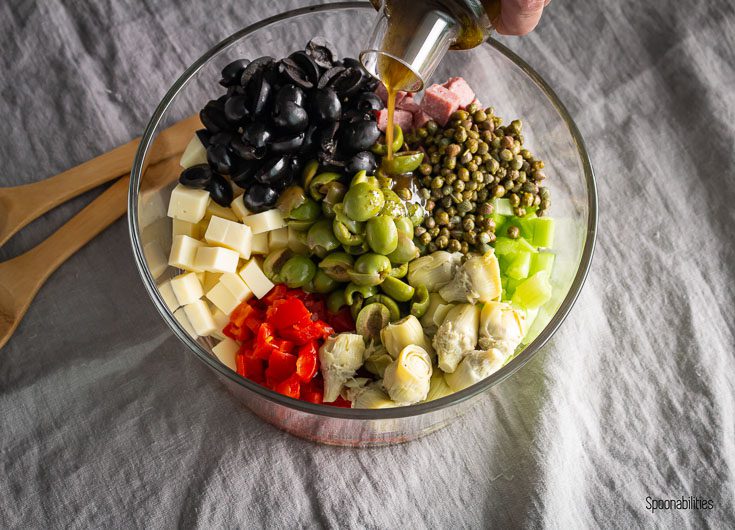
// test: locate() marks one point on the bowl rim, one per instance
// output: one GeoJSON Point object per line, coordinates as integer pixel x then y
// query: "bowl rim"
{"type": "Point", "coordinates": [325, 410]}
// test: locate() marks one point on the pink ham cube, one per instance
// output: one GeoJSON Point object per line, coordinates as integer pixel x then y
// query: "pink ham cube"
{"type": "Point", "coordinates": [420, 118]}
{"type": "Point", "coordinates": [382, 93]}
{"type": "Point", "coordinates": [402, 118]}
{"type": "Point", "coordinates": [408, 103]}
{"type": "Point", "coordinates": [459, 86]}
{"type": "Point", "coordinates": [439, 103]}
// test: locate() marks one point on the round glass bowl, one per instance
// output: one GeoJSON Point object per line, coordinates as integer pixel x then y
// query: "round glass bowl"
{"type": "Point", "coordinates": [499, 78]}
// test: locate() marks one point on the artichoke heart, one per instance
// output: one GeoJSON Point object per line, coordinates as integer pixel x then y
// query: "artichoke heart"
{"type": "Point", "coordinates": [377, 358]}
{"type": "Point", "coordinates": [477, 280]}
{"type": "Point", "coordinates": [339, 357]}
{"type": "Point", "coordinates": [438, 387]}
{"type": "Point", "coordinates": [398, 335]}
{"type": "Point", "coordinates": [501, 327]}
{"type": "Point", "coordinates": [371, 396]}
{"type": "Point", "coordinates": [407, 379]}
{"type": "Point", "coordinates": [476, 366]}
{"type": "Point", "coordinates": [433, 271]}
{"type": "Point", "coordinates": [427, 319]}
{"type": "Point", "coordinates": [457, 335]}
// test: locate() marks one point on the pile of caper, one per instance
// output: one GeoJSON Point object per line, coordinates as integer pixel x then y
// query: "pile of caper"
{"type": "Point", "coordinates": [470, 162]}
{"type": "Point", "coordinates": [351, 240]}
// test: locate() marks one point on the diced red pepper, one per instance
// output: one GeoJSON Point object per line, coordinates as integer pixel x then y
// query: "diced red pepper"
{"type": "Point", "coordinates": [308, 332]}
{"type": "Point", "coordinates": [277, 293]}
{"type": "Point", "coordinates": [307, 362]}
{"type": "Point", "coordinates": [280, 366]}
{"type": "Point", "coordinates": [254, 369]}
{"type": "Point", "coordinates": [284, 345]}
{"type": "Point", "coordinates": [289, 387]}
{"type": "Point", "coordinates": [240, 363]}
{"type": "Point", "coordinates": [342, 320]}
{"type": "Point", "coordinates": [288, 313]}
{"type": "Point", "coordinates": [253, 323]}
{"type": "Point", "coordinates": [313, 391]}
{"type": "Point", "coordinates": [340, 402]}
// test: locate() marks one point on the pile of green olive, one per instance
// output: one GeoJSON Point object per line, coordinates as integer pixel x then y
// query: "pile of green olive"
{"type": "Point", "coordinates": [353, 241]}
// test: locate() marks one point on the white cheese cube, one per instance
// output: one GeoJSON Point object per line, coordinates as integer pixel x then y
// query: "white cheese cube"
{"type": "Point", "coordinates": [185, 228]}
{"type": "Point", "coordinates": [194, 154]}
{"type": "Point", "coordinates": [216, 259]}
{"type": "Point", "coordinates": [151, 207]}
{"type": "Point", "coordinates": [183, 253]}
{"type": "Point", "coordinates": [226, 352]}
{"type": "Point", "coordinates": [236, 286]}
{"type": "Point", "coordinates": [229, 234]}
{"type": "Point", "coordinates": [155, 258]}
{"type": "Point", "coordinates": [277, 239]}
{"type": "Point", "coordinates": [260, 243]}
{"type": "Point", "coordinates": [180, 315]}
{"type": "Point", "coordinates": [187, 288]}
{"type": "Point", "coordinates": [220, 211]}
{"type": "Point", "coordinates": [188, 204]}
{"type": "Point", "coordinates": [222, 298]}
{"type": "Point", "coordinates": [237, 191]}
{"type": "Point", "coordinates": [256, 279]}
{"type": "Point", "coordinates": [220, 320]}
{"type": "Point", "coordinates": [210, 280]}
{"type": "Point", "coordinates": [169, 298]}
{"type": "Point", "coordinates": [238, 206]}
{"type": "Point", "coordinates": [200, 318]}
{"type": "Point", "coordinates": [265, 221]}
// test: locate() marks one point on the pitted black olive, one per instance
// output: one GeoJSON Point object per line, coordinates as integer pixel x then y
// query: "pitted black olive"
{"type": "Point", "coordinates": [322, 51]}
{"type": "Point", "coordinates": [221, 138]}
{"type": "Point", "coordinates": [362, 161]}
{"type": "Point", "coordinates": [359, 136]}
{"type": "Point", "coordinates": [219, 158]}
{"type": "Point", "coordinates": [256, 134]}
{"type": "Point", "coordinates": [196, 176]}
{"type": "Point", "coordinates": [311, 137]}
{"type": "Point", "coordinates": [354, 115]}
{"type": "Point", "coordinates": [259, 91]}
{"type": "Point", "coordinates": [327, 76]}
{"type": "Point", "coordinates": [213, 117]}
{"type": "Point", "coordinates": [367, 101]}
{"type": "Point", "coordinates": [220, 190]}
{"type": "Point", "coordinates": [257, 67]}
{"type": "Point", "coordinates": [232, 73]}
{"type": "Point", "coordinates": [247, 151]}
{"type": "Point", "coordinates": [347, 82]}
{"type": "Point", "coordinates": [236, 108]}
{"type": "Point", "coordinates": [204, 136]}
{"type": "Point", "coordinates": [327, 138]}
{"type": "Point", "coordinates": [259, 198]}
{"type": "Point", "coordinates": [291, 117]}
{"type": "Point", "coordinates": [289, 69]}
{"type": "Point", "coordinates": [274, 169]}
{"type": "Point", "coordinates": [307, 65]}
{"type": "Point", "coordinates": [290, 93]}
{"type": "Point", "coordinates": [324, 105]}
{"type": "Point", "coordinates": [287, 145]}
{"type": "Point", "coordinates": [370, 84]}
{"type": "Point", "coordinates": [243, 172]}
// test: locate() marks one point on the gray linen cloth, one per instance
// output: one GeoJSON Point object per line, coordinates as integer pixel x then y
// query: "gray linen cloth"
{"type": "Point", "coordinates": [106, 421]}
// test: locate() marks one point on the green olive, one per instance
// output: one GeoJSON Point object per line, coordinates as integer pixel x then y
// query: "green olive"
{"type": "Point", "coordinates": [356, 227]}
{"type": "Point", "coordinates": [318, 185]}
{"type": "Point", "coordinates": [290, 199]}
{"type": "Point", "coordinates": [396, 289]}
{"type": "Point", "coordinates": [274, 263]}
{"type": "Point", "coordinates": [320, 238]}
{"type": "Point", "coordinates": [354, 291]}
{"type": "Point", "coordinates": [298, 271]}
{"type": "Point", "coordinates": [308, 211]}
{"type": "Point", "coordinates": [322, 283]}
{"type": "Point", "coordinates": [406, 250]}
{"type": "Point", "coordinates": [300, 226]}
{"type": "Point", "coordinates": [366, 278]}
{"type": "Point", "coordinates": [382, 149]}
{"type": "Point", "coordinates": [310, 169]}
{"type": "Point", "coordinates": [356, 306]}
{"type": "Point", "coordinates": [357, 250]}
{"type": "Point", "coordinates": [400, 271]}
{"type": "Point", "coordinates": [360, 176]}
{"type": "Point", "coordinates": [363, 201]}
{"type": "Point", "coordinates": [387, 301]}
{"type": "Point", "coordinates": [297, 241]}
{"type": "Point", "coordinates": [401, 163]}
{"type": "Point", "coordinates": [369, 263]}
{"type": "Point", "coordinates": [420, 303]}
{"type": "Point", "coordinates": [416, 213]}
{"type": "Point", "coordinates": [394, 206]}
{"type": "Point", "coordinates": [371, 319]}
{"type": "Point", "coordinates": [405, 226]}
{"type": "Point", "coordinates": [382, 234]}
{"type": "Point", "coordinates": [336, 301]}
{"type": "Point", "coordinates": [335, 193]}
{"type": "Point", "coordinates": [344, 235]}
{"type": "Point", "coordinates": [337, 266]}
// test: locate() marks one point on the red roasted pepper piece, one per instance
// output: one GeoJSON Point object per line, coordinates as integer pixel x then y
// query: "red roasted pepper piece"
{"type": "Point", "coordinates": [313, 391]}
{"type": "Point", "coordinates": [280, 366]}
{"type": "Point", "coordinates": [277, 293]}
{"type": "Point", "coordinates": [340, 402]}
{"type": "Point", "coordinates": [342, 320]}
{"type": "Point", "coordinates": [288, 313]}
{"type": "Point", "coordinates": [289, 387]}
{"type": "Point", "coordinates": [307, 362]}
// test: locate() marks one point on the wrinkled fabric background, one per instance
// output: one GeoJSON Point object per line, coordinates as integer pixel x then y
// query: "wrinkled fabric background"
{"type": "Point", "coordinates": [105, 421]}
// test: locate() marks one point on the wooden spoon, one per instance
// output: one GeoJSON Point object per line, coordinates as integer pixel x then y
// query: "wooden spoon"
{"type": "Point", "coordinates": [19, 205]}
{"type": "Point", "coordinates": [22, 276]}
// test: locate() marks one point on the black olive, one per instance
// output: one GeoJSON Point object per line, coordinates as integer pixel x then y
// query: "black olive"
{"type": "Point", "coordinates": [368, 101]}
{"type": "Point", "coordinates": [257, 67]}
{"type": "Point", "coordinates": [310, 139]}
{"type": "Point", "coordinates": [329, 75]}
{"type": "Point", "coordinates": [232, 73]}
{"type": "Point", "coordinates": [354, 115]}
{"type": "Point", "coordinates": [220, 190]}
{"type": "Point", "coordinates": [204, 136]}
{"type": "Point", "coordinates": [307, 65]}
{"type": "Point", "coordinates": [322, 51]}
{"type": "Point", "coordinates": [221, 138]}
{"type": "Point", "coordinates": [287, 145]}
{"type": "Point", "coordinates": [259, 198]}
{"type": "Point", "coordinates": [213, 117]}
{"type": "Point", "coordinates": [324, 105]}
{"type": "Point", "coordinates": [290, 93]}
{"type": "Point", "coordinates": [359, 136]}
{"type": "Point", "coordinates": [259, 92]}
{"type": "Point", "coordinates": [256, 134]}
{"type": "Point", "coordinates": [236, 108]}
{"type": "Point", "coordinates": [219, 158]}
{"type": "Point", "coordinates": [273, 170]}
{"type": "Point", "coordinates": [362, 161]}
{"type": "Point", "coordinates": [327, 133]}
{"type": "Point", "coordinates": [291, 117]}
{"type": "Point", "coordinates": [297, 164]}
{"type": "Point", "coordinates": [243, 171]}
{"type": "Point", "coordinates": [293, 73]}
{"type": "Point", "coordinates": [247, 151]}
{"type": "Point", "coordinates": [196, 176]}
{"type": "Point", "coordinates": [347, 82]}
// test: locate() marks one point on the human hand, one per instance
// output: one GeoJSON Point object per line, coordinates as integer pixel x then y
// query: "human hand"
{"type": "Point", "coordinates": [518, 17]}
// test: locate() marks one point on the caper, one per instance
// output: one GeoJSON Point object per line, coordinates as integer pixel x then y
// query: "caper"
{"type": "Point", "coordinates": [454, 246]}
{"type": "Point", "coordinates": [337, 266]}
{"type": "Point", "coordinates": [298, 271]}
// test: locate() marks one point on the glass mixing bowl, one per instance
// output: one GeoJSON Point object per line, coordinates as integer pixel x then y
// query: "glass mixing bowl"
{"type": "Point", "coordinates": [500, 78]}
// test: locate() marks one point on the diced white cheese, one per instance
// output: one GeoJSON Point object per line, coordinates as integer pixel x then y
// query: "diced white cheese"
{"type": "Point", "coordinates": [216, 259]}
{"type": "Point", "coordinates": [237, 191]}
{"type": "Point", "coordinates": [183, 253]}
{"type": "Point", "coordinates": [184, 228]}
{"type": "Point", "coordinates": [254, 277]}
{"type": "Point", "coordinates": [220, 211]}
{"type": "Point", "coordinates": [223, 298]}
{"type": "Point", "coordinates": [220, 320]}
{"type": "Point", "coordinates": [187, 288]}
{"type": "Point", "coordinates": [236, 286]}
{"type": "Point", "coordinates": [151, 207]}
{"type": "Point", "coordinates": [155, 258]}
{"type": "Point", "coordinates": [229, 234]}
{"type": "Point", "coordinates": [180, 315]}
{"type": "Point", "coordinates": [200, 318]}
{"type": "Point", "coordinates": [194, 154]}
{"type": "Point", "coordinates": [265, 221]}
{"type": "Point", "coordinates": [260, 243]}
{"type": "Point", "coordinates": [188, 204]}
{"type": "Point", "coordinates": [238, 206]}
{"type": "Point", "coordinates": [226, 352]}
{"type": "Point", "coordinates": [210, 280]}
{"type": "Point", "coordinates": [169, 298]}
{"type": "Point", "coordinates": [277, 239]}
